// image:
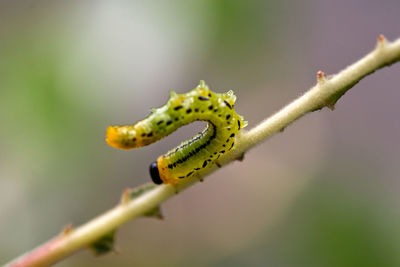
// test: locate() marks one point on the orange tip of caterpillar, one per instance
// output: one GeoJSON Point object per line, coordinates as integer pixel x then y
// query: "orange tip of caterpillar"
{"type": "Point", "coordinates": [123, 137]}
{"type": "Point", "coordinates": [113, 137]}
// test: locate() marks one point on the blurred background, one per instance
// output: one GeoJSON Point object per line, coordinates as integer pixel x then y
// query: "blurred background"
{"type": "Point", "coordinates": [325, 192]}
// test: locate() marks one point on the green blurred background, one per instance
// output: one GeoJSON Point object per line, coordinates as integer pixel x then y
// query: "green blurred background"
{"type": "Point", "coordinates": [325, 192]}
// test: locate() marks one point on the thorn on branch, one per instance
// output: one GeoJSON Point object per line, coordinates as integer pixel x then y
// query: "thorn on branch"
{"type": "Point", "coordinates": [104, 244]}
{"type": "Point", "coordinates": [116, 250]}
{"type": "Point", "coordinates": [241, 157]}
{"type": "Point", "coordinates": [155, 213]}
{"type": "Point", "coordinates": [126, 196]}
{"type": "Point", "coordinates": [331, 106]}
{"type": "Point", "coordinates": [321, 79]}
{"type": "Point", "coordinates": [381, 42]}
{"type": "Point", "coordinates": [67, 230]}
{"type": "Point", "coordinates": [159, 215]}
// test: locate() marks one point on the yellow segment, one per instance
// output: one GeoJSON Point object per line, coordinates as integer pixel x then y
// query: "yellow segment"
{"type": "Point", "coordinates": [113, 137]}
{"type": "Point", "coordinates": [165, 175]}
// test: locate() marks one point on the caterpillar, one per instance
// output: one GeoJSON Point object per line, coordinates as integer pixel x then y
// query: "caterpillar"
{"type": "Point", "coordinates": [191, 156]}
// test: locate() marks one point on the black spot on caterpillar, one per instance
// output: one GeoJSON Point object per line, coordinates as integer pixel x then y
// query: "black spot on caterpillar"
{"type": "Point", "coordinates": [192, 155]}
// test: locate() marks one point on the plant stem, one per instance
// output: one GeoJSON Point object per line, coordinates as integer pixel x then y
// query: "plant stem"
{"type": "Point", "coordinates": [324, 94]}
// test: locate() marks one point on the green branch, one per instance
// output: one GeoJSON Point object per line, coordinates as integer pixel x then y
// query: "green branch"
{"type": "Point", "coordinates": [145, 200]}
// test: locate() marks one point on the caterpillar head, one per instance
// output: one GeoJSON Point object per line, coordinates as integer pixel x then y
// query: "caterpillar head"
{"type": "Point", "coordinates": [154, 173]}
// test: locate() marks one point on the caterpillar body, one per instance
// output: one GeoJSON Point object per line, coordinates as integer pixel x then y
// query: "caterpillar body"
{"type": "Point", "coordinates": [191, 156]}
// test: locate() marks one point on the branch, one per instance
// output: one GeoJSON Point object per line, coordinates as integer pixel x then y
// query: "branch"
{"type": "Point", "coordinates": [145, 200]}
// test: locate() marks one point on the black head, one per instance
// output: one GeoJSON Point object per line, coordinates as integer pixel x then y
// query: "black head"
{"type": "Point", "coordinates": [155, 175]}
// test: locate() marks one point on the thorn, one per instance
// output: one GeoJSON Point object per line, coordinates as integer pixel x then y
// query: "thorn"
{"type": "Point", "coordinates": [331, 106]}
{"type": "Point", "coordinates": [241, 157]}
{"type": "Point", "coordinates": [126, 196]}
{"type": "Point", "coordinates": [116, 250]}
{"type": "Point", "coordinates": [160, 215]}
{"type": "Point", "coordinates": [321, 79]}
{"type": "Point", "coordinates": [381, 41]}
{"type": "Point", "coordinates": [202, 84]}
{"type": "Point", "coordinates": [153, 110]}
{"type": "Point", "coordinates": [67, 230]}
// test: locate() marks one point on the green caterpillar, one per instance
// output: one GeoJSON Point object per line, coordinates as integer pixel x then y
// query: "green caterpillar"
{"type": "Point", "coordinates": [203, 150]}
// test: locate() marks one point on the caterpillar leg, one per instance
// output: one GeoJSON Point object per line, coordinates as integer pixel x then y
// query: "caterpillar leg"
{"type": "Point", "coordinates": [218, 164]}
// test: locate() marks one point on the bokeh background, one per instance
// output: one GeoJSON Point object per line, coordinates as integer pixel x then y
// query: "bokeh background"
{"type": "Point", "coordinates": [325, 192]}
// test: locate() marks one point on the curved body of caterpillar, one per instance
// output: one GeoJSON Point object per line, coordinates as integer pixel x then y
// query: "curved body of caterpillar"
{"type": "Point", "coordinates": [191, 156]}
